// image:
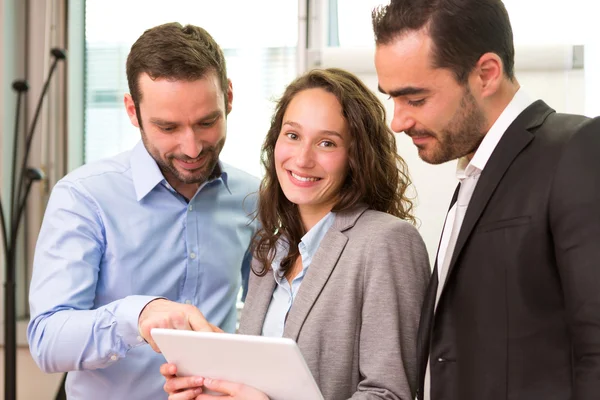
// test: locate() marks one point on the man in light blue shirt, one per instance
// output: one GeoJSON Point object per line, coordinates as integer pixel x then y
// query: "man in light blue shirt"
{"type": "Point", "coordinates": [154, 237]}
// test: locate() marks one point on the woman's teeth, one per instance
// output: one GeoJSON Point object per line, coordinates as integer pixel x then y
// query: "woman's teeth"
{"type": "Point", "coordinates": [304, 179]}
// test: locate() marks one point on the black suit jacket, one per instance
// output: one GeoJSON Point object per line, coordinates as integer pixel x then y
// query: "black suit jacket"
{"type": "Point", "coordinates": [519, 316]}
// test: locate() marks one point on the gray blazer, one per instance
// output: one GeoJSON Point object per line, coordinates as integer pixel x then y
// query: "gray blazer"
{"type": "Point", "coordinates": [356, 315]}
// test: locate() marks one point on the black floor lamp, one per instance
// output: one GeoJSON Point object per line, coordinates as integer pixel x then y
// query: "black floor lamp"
{"type": "Point", "coordinates": [21, 183]}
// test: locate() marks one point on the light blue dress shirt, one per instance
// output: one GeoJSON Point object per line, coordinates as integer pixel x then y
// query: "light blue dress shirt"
{"type": "Point", "coordinates": [285, 293]}
{"type": "Point", "coordinates": [115, 236]}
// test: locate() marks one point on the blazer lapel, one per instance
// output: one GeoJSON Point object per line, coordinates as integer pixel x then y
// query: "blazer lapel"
{"type": "Point", "coordinates": [257, 303]}
{"type": "Point", "coordinates": [514, 140]}
{"type": "Point", "coordinates": [322, 265]}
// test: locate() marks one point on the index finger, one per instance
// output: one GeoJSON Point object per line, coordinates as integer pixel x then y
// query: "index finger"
{"type": "Point", "coordinates": [199, 323]}
{"type": "Point", "coordinates": [146, 331]}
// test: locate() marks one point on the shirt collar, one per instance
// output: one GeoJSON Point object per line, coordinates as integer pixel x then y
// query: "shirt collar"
{"type": "Point", "coordinates": [144, 171]}
{"type": "Point", "coordinates": [222, 174]}
{"type": "Point", "coordinates": [520, 101]}
{"type": "Point", "coordinates": [147, 175]}
{"type": "Point", "coordinates": [308, 244]}
{"type": "Point", "coordinates": [312, 239]}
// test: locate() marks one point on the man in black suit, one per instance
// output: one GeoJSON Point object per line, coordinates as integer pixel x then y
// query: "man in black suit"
{"type": "Point", "coordinates": [513, 307]}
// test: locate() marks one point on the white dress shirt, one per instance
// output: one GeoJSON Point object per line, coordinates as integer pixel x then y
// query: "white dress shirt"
{"type": "Point", "coordinates": [468, 173]}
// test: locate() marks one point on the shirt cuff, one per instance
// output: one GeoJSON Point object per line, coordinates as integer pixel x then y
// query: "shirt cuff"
{"type": "Point", "coordinates": [127, 315]}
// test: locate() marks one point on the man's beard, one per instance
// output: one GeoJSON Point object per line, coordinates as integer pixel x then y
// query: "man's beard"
{"type": "Point", "coordinates": [461, 136]}
{"type": "Point", "coordinates": [199, 176]}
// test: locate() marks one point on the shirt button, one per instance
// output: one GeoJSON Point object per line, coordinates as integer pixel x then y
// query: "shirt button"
{"type": "Point", "coordinates": [441, 359]}
{"type": "Point", "coordinates": [192, 255]}
{"type": "Point", "coordinates": [190, 208]}
{"type": "Point", "coordinates": [188, 302]}
{"type": "Point", "coordinates": [114, 357]}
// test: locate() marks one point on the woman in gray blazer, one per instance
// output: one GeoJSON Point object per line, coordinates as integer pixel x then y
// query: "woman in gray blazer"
{"type": "Point", "coordinates": [338, 266]}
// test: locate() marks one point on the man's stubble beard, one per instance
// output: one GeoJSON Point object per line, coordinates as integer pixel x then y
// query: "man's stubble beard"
{"type": "Point", "coordinates": [462, 136]}
{"type": "Point", "coordinates": [168, 167]}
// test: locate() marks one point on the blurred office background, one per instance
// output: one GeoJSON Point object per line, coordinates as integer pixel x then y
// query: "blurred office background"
{"type": "Point", "coordinates": [266, 43]}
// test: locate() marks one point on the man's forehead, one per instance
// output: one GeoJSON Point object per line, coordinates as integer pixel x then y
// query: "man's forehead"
{"type": "Point", "coordinates": [410, 46]}
{"type": "Point", "coordinates": [204, 88]}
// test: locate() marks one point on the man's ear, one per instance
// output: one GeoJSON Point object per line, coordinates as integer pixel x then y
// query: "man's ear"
{"type": "Point", "coordinates": [488, 74]}
{"type": "Point", "coordinates": [131, 111]}
{"type": "Point", "coordinates": [229, 95]}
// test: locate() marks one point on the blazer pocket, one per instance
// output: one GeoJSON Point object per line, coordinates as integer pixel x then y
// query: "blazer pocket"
{"type": "Point", "coordinates": [505, 223]}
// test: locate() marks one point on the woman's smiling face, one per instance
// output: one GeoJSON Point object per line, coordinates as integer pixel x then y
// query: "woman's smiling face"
{"type": "Point", "coordinates": [311, 153]}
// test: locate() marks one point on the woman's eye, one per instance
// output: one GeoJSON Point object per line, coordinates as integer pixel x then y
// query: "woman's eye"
{"type": "Point", "coordinates": [292, 135]}
{"type": "Point", "coordinates": [327, 143]}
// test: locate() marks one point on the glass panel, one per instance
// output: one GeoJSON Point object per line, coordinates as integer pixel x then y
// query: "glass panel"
{"type": "Point", "coordinates": [261, 60]}
{"type": "Point", "coordinates": [549, 21]}
{"type": "Point", "coordinates": [354, 22]}
{"type": "Point", "coordinates": [533, 21]}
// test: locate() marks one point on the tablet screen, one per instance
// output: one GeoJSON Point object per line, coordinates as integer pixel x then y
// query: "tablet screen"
{"type": "Point", "coordinates": [275, 366]}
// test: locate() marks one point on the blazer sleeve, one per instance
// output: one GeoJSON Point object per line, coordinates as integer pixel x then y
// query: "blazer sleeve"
{"type": "Point", "coordinates": [395, 279]}
{"type": "Point", "coordinates": [575, 226]}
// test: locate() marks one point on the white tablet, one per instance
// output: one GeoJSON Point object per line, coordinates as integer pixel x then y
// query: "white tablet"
{"type": "Point", "coordinates": [275, 366]}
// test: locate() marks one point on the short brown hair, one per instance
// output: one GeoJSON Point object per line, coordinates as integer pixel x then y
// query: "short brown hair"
{"type": "Point", "coordinates": [377, 175]}
{"type": "Point", "coordinates": [461, 30]}
{"type": "Point", "coordinates": [175, 52]}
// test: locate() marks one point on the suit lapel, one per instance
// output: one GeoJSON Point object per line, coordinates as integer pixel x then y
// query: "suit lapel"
{"type": "Point", "coordinates": [318, 273]}
{"type": "Point", "coordinates": [257, 303]}
{"type": "Point", "coordinates": [514, 140]}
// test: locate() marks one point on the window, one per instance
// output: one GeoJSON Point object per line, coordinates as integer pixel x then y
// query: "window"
{"type": "Point", "coordinates": [533, 21]}
{"type": "Point", "coordinates": [354, 22]}
{"type": "Point", "coordinates": [261, 60]}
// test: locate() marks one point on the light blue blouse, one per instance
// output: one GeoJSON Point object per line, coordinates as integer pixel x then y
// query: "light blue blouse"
{"type": "Point", "coordinates": [285, 293]}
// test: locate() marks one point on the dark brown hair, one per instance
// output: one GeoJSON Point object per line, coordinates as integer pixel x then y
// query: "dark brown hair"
{"type": "Point", "coordinates": [461, 31]}
{"type": "Point", "coordinates": [175, 52]}
{"type": "Point", "coordinates": [377, 175]}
